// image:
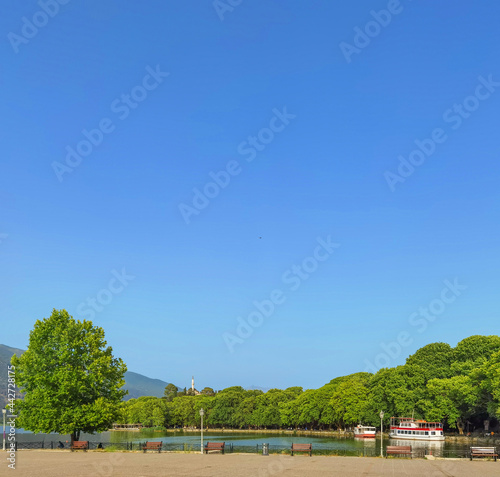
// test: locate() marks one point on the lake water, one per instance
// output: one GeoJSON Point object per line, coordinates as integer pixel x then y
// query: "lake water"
{"type": "Point", "coordinates": [252, 442]}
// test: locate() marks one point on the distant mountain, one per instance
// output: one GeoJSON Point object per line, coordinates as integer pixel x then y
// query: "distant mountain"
{"type": "Point", "coordinates": [136, 384]}
{"type": "Point", "coordinates": [258, 388]}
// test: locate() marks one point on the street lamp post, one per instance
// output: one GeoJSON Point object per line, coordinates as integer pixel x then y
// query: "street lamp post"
{"type": "Point", "coordinates": [4, 411]}
{"type": "Point", "coordinates": [381, 433]}
{"type": "Point", "coordinates": [202, 412]}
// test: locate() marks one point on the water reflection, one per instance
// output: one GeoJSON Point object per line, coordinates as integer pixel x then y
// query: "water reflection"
{"type": "Point", "coordinates": [428, 447]}
{"type": "Point", "coordinates": [367, 443]}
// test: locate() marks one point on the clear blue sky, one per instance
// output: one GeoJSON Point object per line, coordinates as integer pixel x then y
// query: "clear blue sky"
{"type": "Point", "coordinates": [350, 112]}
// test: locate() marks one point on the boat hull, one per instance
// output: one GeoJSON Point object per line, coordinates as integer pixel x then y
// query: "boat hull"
{"type": "Point", "coordinates": [364, 432]}
{"type": "Point", "coordinates": [416, 438]}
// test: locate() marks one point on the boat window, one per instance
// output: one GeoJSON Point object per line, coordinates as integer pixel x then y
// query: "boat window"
{"type": "Point", "coordinates": [433, 433]}
{"type": "Point", "coordinates": [426, 433]}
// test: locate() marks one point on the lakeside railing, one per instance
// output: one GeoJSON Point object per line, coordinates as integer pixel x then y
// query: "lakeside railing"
{"type": "Point", "coordinates": [236, 448]}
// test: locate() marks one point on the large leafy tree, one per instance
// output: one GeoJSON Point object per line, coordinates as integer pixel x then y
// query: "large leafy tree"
{"type": "Point", "coordinates": [70, 378]}
{"type": "Point", "coordinates": [477, 348]}
{"type": "Point", "coordinates": [453, 399]}
{"type": "Point", "coordinates": [487, 377]}
{"type": "Point", "coordinates": [472, 352]}
{"type": "Point", "coordinates": [226, 403]}
{"type": "Point", "coordinates": [170, 392]}
{"type": "Point", "coordinates": [433, 360]}
{"type": "Point", "coordinates": [349, 401]}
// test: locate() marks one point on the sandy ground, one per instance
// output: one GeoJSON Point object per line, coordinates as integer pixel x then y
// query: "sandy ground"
{"type": "Point", "coordinates": [134, 464]}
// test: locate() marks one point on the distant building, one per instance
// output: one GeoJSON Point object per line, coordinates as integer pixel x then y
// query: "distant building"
{"type": "Point", "coordinates": [194, 392]}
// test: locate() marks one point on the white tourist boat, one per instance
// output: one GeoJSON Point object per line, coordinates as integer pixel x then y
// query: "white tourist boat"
{"type": "Point", "coordinates": [365, 432]}
{"type": "Point", "coordinates": [415, 429]}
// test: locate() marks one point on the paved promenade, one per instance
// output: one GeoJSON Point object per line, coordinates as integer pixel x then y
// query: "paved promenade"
{"type": "Point", "coordinates": [132, 464]}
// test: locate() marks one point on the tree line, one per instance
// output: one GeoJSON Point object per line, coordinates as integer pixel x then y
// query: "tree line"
{"type": "Point", "coordinates": [456, 386]}
{"type": "Point", "coordinates": [70, 383]}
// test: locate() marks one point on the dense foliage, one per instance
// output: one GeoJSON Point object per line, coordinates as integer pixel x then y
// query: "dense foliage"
{"type": "Point", "coordinates": [70, 378]}
{"type": "Point", "coordinates": [438, 382]}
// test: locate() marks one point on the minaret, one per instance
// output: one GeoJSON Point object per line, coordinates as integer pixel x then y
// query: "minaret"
{"type": "Point", "coordinates": [192, 384]}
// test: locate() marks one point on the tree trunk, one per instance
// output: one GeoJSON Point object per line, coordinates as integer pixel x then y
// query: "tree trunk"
{"type": "Point", "coordinates": [75, 436]}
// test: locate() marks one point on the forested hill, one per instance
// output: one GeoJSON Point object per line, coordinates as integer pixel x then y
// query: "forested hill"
{"type": "Point", "coordinates": [136, 384]}
{"type": "Point", "coordinates": [459, 386]}
{"type": "Point", "coordinates": [139, 385]}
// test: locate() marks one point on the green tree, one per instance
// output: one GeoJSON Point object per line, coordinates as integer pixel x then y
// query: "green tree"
{"type": "Point", "coordinates": [170, 392]}
{"type": "Point", "coordinates": [473, 352]}
{"type": "Point", "coordinates": [267, 408]}
{"type": "Point", "coordinates": [476, 348]}
{"type": "Point", "coordinates": [147, 408]}
{"type": "Point", "coordinates": [207, 391]}
{"type": "Point", "coordinates": [434, 360]}
{"type": "Point", "coordinates": [290, 413]}
{"type": "Point", "coordinates": [453, 399]}
{"type": "Point", "coordinates": [309, 411]}
{"type": "Point", "coordinates": [207, 403]}
{"type": "Point", "coordinates": [350, 400]}
{"type": "Point", "coordinates": [488, 379]}
{"type": "Point", "coordinates": [226, 403]}
{"type": "Point", "coordinates": [71, 379]}
{"type": "Point", "coordinates": [131, 412]}
{"type": "Point", "coordinates": [182, 412]}
{"type": "Point", "coordinates": [397, 391]}
{"type": "Point", "coordinates": [244, 414]}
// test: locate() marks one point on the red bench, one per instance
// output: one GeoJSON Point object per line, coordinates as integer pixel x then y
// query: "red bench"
{"type": "Point", "coordinates": [398, 450]}
{"type": "Point", "coordinates": [80, 445]}
{"type": "Point", "coordinates": [153, 445]}
{"type": "Point", "coordinates": [302, 448]}
{"type": "Point", "coordinates": [217, 446]}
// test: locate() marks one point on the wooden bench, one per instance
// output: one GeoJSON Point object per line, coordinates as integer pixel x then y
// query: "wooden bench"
{"type": "Point", "coordinates": [216, 446]}
{"type": "Point", "coordinates": [302, 448]}
{"type": "Point", "coordinates": [398, 450]}
{"type": "Point", "coordinates": [80, 445]}
{"type": "Point", "coordinates": [153, 445]}
{"type": "Point", "coordinates": [483, 452]}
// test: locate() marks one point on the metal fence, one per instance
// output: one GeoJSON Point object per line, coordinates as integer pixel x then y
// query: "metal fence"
{"type": "Point", "coordinates": [232, 447]}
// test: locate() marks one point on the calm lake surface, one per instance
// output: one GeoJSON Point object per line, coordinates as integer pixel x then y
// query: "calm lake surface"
{"type": "Point", "coordinates": [252, 441]}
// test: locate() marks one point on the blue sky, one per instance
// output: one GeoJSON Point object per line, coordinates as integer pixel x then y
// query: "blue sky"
{"type": "Point", "coordinates": [328, 99]}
